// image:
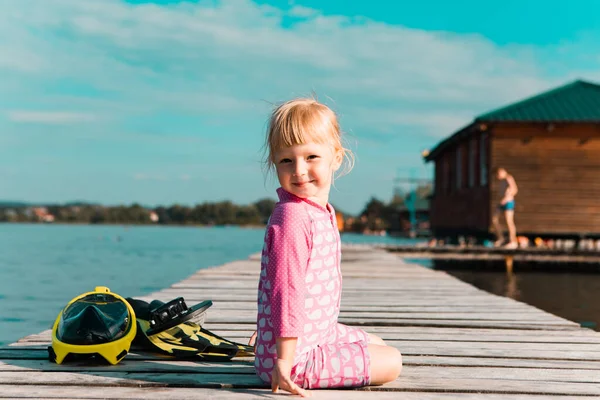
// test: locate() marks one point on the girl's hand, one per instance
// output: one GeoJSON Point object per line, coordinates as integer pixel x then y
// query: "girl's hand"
{"type": "Point", "coordinates": [281, 379]}
{"type": "Point", "coordinates": [252, 341]}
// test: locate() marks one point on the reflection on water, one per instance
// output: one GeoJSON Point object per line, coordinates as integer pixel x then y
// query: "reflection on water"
{"type": "Point", "coordinates": [571, 295]}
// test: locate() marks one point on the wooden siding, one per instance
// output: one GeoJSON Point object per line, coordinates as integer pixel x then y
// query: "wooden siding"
{"type": "Point", "coordinates": [464, 210]}
{"type": "Point", "coordinates": [558, 175]}
{"type": "Point", "coordinates": [460, 210]}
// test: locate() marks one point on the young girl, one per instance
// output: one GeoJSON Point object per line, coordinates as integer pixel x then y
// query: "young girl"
{"type": "Point", "coordinates": [299, 343]}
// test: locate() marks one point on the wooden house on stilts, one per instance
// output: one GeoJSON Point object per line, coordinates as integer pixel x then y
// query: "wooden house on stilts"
{"type": "Point", "coordinates": [550, 143]}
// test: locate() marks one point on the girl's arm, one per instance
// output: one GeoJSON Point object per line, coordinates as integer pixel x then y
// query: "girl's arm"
{"type": "Point", "coordinates": [286, 348]}
{"type": "Point", "coordinates": [288, 248]}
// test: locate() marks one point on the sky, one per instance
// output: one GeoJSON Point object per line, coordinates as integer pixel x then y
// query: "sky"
{"type": "Point", "coordinates": [164, 102]}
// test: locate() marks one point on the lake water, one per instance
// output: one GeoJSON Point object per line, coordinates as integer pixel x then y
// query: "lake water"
{"type": "Point", "coordinates": [571, 291]}
{"type": "Point", "coordinates": [42, 267]}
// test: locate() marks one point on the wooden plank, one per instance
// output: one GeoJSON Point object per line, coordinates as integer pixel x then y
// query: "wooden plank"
{"type": "Point", "coordinates": [503, 374]}
{"type": "Point", "coordinates": [461, 384]}
{"type": "Point", "coordinates": [135, 379]}
{"type": "Point", "coordinates": [40, 353]}
{"type": "Point", "coordinates": [416, 337]}
{"type": "Point", "coordinates": [249, 295]}
{"type": "Point", "coordinates": [481, 332]}
{"type": "Point", "coordinates": [499, 324]}
{"type": "Point", "coordinates": [232, 316]}
{"type": "Point", "coordinates": [582, 261]}
{"type": "Point", "coordinates": [453, 349]}
{"type": "Point", "coordinates": [80, 392]}
{"type": "Point", "coordinates": [515, 363]}
{"type": "Point", "coordinates": [428, 333]}
{"type": "Point", "coordinates": [233, 370]}
{"type": "Point", "coordinates": [415, 334]}
{"type": "Point", "coordinates": [132, 364]}
{"type": "Point", "coordinates": [407, 300]}
{"type": "Point", "coordinates": [591, 349]}
{"type": "Point", "coordinates": [451, 379]}
{"type": "Point", "coordinates": [417, 308]}
{"type": "Point", "coordinates": [360, 322]}
{"type": "Point", "coordinates": [489, 351]}
{"type": "Point", "coordinates": [16, 356]}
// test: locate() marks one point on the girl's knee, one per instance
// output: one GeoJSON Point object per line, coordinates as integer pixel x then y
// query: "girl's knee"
{"type": "Point", "coordinates": [386, 364]}
{"type": "Point", "coordinates": [397, 356]}
{"type": "Point", "coordinates": [395, 364]}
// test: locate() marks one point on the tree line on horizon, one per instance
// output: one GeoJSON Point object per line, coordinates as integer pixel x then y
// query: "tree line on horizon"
{"type": "Point", "coordinates": [375, 215]}
{"type": "Point", "coordinates": [218, 213]}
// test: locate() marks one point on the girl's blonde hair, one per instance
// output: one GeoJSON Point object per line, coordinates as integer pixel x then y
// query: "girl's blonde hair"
{"type": "Point", "coordinates": [304, 120]}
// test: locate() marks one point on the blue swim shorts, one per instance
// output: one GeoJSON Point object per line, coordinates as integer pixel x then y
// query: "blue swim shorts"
{"type": "Point", "coordinates": [509, 206]}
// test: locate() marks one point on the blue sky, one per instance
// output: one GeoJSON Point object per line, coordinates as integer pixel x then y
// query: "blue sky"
{"type": "Point", "coordinates": [166, 102]}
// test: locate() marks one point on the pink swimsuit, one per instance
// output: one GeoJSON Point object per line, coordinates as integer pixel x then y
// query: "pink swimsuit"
{"type": "Point", "coordinates": [299, 295]}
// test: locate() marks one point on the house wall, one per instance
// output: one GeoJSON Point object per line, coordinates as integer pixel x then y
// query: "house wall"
{"type": "Point", "coordinates": [557, 172]}
{"type": "Point", "coordinates": [460, 203]}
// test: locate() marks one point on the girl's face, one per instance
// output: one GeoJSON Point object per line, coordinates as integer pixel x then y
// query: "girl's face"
{"type": "Point", "coordinates": [306, 170]}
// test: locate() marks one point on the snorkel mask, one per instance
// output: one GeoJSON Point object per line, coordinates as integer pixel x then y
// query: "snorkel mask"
{"type": "Point", "coordinates": [98, 323]}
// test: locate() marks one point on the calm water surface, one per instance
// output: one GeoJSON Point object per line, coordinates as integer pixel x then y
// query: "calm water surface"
{"type": "Point", "coordinates": [562, 291]}
{"type": "Point", "coordinates": [42, 267]}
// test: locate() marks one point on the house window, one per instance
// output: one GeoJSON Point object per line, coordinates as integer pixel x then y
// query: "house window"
{"type": "Point", "coordinates": [472, 162]}
{"type": "Point", "coordinates": [459, 169]}
{"type": "Point", "coordinates": [483, 162]}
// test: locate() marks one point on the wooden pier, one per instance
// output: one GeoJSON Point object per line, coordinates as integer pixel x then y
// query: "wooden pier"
{"type": "Point", "coordinates": [591, 258]}
{"type": "Point", "coordinates": [458, 342]}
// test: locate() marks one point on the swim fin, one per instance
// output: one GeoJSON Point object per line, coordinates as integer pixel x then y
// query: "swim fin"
{"type": "Point", "coordinates": [174, 329]}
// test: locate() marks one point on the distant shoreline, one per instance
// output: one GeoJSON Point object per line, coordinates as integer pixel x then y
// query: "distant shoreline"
{"type": "Point", "coordinates": [191, 225]}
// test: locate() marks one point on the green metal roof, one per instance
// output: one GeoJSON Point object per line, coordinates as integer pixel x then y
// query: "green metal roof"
{"type": "Point", "coordinates": [578, 101]}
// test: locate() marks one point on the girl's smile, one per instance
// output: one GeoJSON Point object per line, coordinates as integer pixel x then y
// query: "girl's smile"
{"type": "Point", "coordinates": [306, 170]}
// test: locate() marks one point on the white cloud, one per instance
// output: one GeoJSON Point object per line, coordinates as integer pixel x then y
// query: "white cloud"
{"type": "Point", "coordinates": [222, 59]}
{"type": "Point", "coordinates": [302, 12]}
{"type": "Point", "coordinates": [49, 117]}
{"type": "Point", "coordinates": [435, 123]}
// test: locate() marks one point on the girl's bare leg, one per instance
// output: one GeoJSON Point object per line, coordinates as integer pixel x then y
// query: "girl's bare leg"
{"type": "Point", "coordinates": [374, 339]}
{"type": "Point", "coordinates": [386, 364]}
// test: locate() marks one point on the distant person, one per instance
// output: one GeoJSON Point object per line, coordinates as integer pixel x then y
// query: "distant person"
{"type": "Point", "coordinates": [508, 190]}
{"type": "Point", "coordinates": [299, 342]}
